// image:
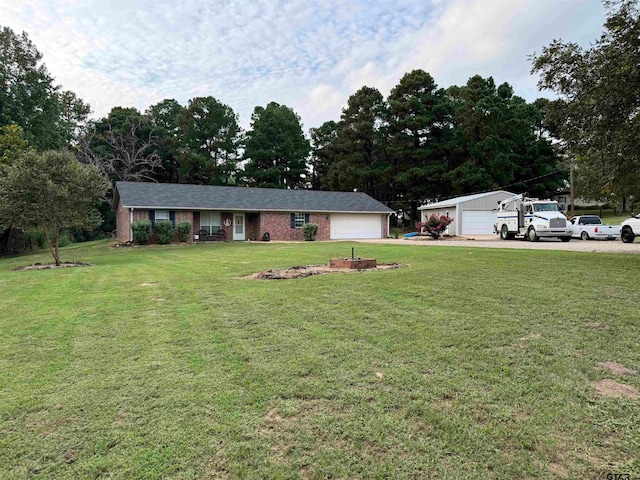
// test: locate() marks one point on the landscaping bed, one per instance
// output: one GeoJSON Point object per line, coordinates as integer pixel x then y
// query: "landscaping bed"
{"type": "Point", "coordinates": [310, 270]}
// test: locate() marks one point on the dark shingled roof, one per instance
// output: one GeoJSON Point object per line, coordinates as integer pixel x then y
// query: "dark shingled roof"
{"type": "Point", "coordinates": [204, 197]}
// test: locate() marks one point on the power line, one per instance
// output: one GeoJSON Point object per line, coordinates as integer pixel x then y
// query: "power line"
{"type": "Point", "coordinates": [480, 191]}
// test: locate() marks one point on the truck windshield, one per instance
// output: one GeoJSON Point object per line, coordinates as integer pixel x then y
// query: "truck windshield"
{"type": "Point", "coordinates": [545, 207]}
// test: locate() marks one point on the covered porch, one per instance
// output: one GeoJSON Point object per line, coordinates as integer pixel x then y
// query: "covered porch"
{"type": "Point", "coordinates": [216, 225]}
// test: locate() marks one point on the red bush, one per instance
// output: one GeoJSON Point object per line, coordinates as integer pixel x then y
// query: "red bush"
{"type": "Point", "coordinates": [435, 225]}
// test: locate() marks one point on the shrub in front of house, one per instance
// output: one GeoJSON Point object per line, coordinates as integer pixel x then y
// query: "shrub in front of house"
{"type": "Point", "coordinates": [141, 231]}
{"type": "Point", "coordinates": [435, 225]}
{"type": "Point", "coordinates": [310, 230]}
{"type": "Point", "coordinates": [164, 231]}
{"type": "Point", "coordinates": [183, 230]}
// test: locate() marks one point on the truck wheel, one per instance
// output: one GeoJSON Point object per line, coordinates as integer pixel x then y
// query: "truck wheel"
{"type": "Point", "coordinates": [504, 233]}
{"type": "Point", "coordinates": [532, 236]}
{"type": "Point", "coordinates": [627, 235]}
{"type": "Point", "coordinates": [567, 239]}
{"type": "Point", "coordinates": [584, 236]}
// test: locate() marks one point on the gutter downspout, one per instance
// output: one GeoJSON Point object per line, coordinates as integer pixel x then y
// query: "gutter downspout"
{"type": "Point", "coordinates": [388, 225]}
{"type": "Point", "coordinates": [130, 223]}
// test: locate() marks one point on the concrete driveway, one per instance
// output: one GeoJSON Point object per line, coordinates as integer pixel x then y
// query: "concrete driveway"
{"type": "Point", "coordinates": [493, 241]}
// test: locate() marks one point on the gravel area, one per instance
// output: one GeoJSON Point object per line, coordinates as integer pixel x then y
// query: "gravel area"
{"type": "Point", "coordinates": [492, 241]}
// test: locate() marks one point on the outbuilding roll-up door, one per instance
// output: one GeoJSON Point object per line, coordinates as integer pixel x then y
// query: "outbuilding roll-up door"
{"type": "Point", "coordinates": [478, 222]}
{"type": "Point", "coordinates": [355, 225]}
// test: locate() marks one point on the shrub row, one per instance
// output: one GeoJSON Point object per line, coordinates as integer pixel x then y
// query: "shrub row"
{"type": "Point", "coordinates": [165, 232]}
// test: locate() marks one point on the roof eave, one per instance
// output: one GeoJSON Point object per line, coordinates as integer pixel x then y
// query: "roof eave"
{"type": "Point", "coordinates": [231, 209]}
{"type": "Point", "coordinates": [431, 207]}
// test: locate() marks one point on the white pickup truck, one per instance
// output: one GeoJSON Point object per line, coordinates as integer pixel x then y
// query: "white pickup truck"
{"type": "Point", "coordinates": [588, 227]}
{"type": "Point", "coordinates": [631, 229]}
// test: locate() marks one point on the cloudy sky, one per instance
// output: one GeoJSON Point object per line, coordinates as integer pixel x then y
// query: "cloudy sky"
{"type": "Point", "coordinates": [310, 55]}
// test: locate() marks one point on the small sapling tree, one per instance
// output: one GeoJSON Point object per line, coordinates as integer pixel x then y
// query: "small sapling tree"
{"type": "Point", "coordinates": [51, 191]}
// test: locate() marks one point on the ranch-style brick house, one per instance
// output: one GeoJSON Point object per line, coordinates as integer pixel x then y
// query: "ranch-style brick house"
{"type": "Point", "coordinates": [248, 213]}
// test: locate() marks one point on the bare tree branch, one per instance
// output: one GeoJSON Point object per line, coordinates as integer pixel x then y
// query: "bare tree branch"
{"type": "Point", "coordinates": [128, 156]}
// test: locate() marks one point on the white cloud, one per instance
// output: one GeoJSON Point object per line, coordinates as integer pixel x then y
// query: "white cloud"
{"type": "Point", "coordinates": [311, 56]}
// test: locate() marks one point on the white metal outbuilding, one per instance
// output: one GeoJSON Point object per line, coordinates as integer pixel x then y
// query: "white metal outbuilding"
{"type": "Point", "coordinates": [472, 214]}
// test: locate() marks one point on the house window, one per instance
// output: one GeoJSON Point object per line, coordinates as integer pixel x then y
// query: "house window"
{"type": "Point", "coordinates": [210, 221]}
{"type": "Point", "coordinates": [300, 220]}
{"type": "Point", "coordinates": [162, 215]}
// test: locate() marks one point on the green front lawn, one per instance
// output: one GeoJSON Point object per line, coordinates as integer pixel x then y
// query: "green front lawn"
{"type": "Point", "coordinates": [161, 362]}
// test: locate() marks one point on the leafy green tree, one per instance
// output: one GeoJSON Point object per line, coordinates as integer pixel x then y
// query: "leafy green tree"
{"type": "Point", "coordinates": [164, 118]}
{"type": "Point", "coordinates": [12, 145]}
{"type": "Point", "coordinates": [322, 142]}
{"type": "Point", "coordinates": [599, 101]}
{"type": "Point", "coordinates": [358, 151]}
{"type": "Point", "coordinates": [52, 191]}
{"type": "Point", "coordinates": [210, 137]}
{"type": "Point", "coordinates": [419, 132]}
{"type": "Point", "coordinates": [29, 98]}
{"type": "Point", "coordinates": [276, 148]}
{"type": "Point", "coordinates": [499, 140]}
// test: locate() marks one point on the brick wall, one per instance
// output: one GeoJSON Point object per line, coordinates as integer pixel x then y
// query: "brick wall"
{"type": "Point", "coordinates": [228, 231]}
{"type": "Point", "coordinates": [140, 215]}
{"type": "Point", "coordinates": [276, 223]}
{"type": "Point", "coordinates": [252, 223]}
{"type": "Point", "coordinates": [196, 222]}
{"type": "Point", "coordinates": [181, 216]}
{"type": "Point", "coordinates": [122, 223]}
{"type": "Point", "coordinates": [279, 226]}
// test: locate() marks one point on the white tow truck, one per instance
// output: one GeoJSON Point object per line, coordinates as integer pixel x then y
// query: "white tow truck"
{"type": "Point", "coordinates": [531, 218]}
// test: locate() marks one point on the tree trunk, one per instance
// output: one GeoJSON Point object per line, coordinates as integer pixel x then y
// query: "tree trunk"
{"type": "Point", "coordinates": [5, 239]}
{"type": "Point", "coordinates": [56, 236]}
{"type": "Point", "coordinates": [53, 246]}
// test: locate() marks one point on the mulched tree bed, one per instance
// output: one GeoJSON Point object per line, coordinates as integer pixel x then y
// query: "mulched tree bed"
{"type": "Point", "coordinates": [47, 266]}
{"type": "Point", "coordinates": [310, 270]}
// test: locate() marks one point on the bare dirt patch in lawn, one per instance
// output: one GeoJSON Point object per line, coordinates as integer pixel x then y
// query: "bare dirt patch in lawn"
{"type": "Point", "coordinates": [527, 338]}
{"type": "Point", "coordinates": [47, 266]}
{"type": "Point", "coordinates": [148, 284]}
{"type": "Point", "coordinates": [615, 368]}
{"type": "Point", "coordinates": [596, 325]}
{"type": "Point", "coordinates": [531, 336]}
{"type": "Point", "coordinates": [611, 388]}
{"type": "Point", "coordinates": [310, 270]}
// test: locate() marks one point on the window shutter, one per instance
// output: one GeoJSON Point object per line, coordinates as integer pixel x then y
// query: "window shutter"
{"type": "Point", "coordinates": [293, 220]}
{"type": "Point", "coordinates": [306, 218]}
{"type": "Point", "coordinates": [152, 217]}
{"type": "Point", "coordinates": [172, 218]}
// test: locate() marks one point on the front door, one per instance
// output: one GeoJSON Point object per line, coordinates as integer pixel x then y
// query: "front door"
{"type": "Point", "coordinates": [238, 226]}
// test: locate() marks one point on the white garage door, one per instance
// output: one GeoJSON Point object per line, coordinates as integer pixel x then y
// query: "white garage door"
{"type": "Point", "coordinates": [355, 225]}
{"type": "Point", "coordinates": [478, 222]}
